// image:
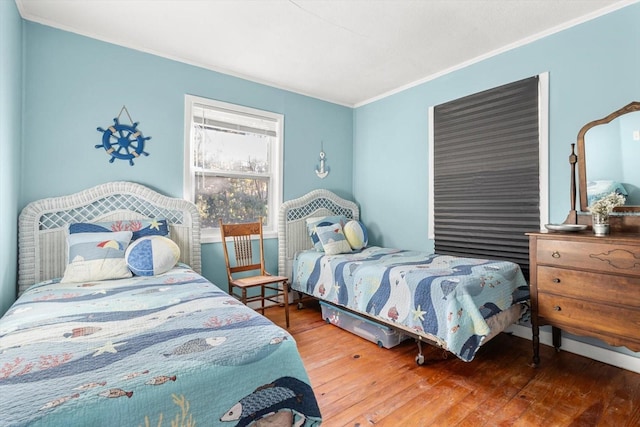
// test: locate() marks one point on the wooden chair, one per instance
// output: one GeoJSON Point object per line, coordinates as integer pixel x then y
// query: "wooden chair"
{"type": "Point", "coordinates": [244, 261]}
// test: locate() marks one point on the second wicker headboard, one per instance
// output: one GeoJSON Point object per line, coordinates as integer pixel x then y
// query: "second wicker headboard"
{"type": "Point", "coordinates": [292, 227]}
{"type": "Point", "coordinates": [43, 223]}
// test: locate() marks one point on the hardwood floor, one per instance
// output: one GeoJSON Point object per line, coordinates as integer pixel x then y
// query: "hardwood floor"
{"type": "Point", "coordinates": [358, 384]}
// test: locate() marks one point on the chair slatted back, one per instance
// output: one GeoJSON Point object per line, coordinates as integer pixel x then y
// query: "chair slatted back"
{"type": "Point", "coordinates": [241, 235]}
{"type": "Point", "coordinates": [244, 250]}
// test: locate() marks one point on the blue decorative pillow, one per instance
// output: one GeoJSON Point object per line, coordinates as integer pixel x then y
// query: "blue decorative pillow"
{"type": "Point", "coordinates": [333, 239]}
{"type": "Point", "coordinates": [321, 221]}
{"type": "Point", "coordinates": [97, 256]}
{"type": "Point", "coordinates": [356, 234]}
{"type": "Point", "coordinates": [139, 227]}
{"type": "Point", "coordinates": [152, 255]}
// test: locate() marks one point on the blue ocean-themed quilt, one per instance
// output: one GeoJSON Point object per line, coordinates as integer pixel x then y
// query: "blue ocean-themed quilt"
{"type": "Point", "coordinates": [444, 297]}
{"type": "Point", "coordinates": [166, 350]}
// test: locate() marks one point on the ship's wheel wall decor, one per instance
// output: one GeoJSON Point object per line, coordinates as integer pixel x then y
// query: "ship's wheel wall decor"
{"type": "Point", "coordinates": [121, 141]}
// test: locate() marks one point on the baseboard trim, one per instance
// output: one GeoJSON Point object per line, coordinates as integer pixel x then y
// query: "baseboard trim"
{"type": "Point", "coordinates": [600, 354]}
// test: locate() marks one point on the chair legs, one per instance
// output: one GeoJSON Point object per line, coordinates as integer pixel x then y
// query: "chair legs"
{"type": "Point", "coordinates": [244, 296]}
{"type": "Point", "coordinates": [285, 290]}
{"type": "Point", "coordinates": [285, 296]}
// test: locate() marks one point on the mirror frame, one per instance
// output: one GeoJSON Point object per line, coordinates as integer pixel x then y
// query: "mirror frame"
{"type": "Point", "coordinates": [582, 165]}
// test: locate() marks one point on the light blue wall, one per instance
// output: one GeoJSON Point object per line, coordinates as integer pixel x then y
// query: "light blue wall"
{"type": "Point", "coordinates": [604, 143]}
{"type": "Point", "coordinates": [73, 84]}
{"type": "Point", "coordinates": [593, 70]}
{"type": "Point", "coordinates": [10, 132]}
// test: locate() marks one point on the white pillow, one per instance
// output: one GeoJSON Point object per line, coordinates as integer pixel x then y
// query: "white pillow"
{"type": "Point", "coordinates": [96, 256]}
{"type": "Point", "coordinates": [333, 239]}
{"type": "Point", "coordinates": [322, 221]}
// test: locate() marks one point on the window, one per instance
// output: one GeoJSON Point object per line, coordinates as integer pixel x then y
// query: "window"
{"type": "Point", "coordinates": [233, 164]}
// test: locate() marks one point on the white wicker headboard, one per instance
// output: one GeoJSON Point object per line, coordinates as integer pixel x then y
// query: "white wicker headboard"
{"type": "Point", "coordinates": [292, 227]}
{"type": "Point", "coordinates": [43, 223]}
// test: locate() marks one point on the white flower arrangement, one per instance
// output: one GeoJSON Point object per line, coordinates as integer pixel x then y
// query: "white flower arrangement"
{"type": "Point", "coordinates": [605, 205]}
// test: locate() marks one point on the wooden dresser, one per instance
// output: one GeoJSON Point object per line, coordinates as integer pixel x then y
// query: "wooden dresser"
{"type": "Point", "coordinates": [586, 285]}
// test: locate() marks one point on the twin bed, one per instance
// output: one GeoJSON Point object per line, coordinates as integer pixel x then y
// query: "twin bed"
{"type": "Point", "coordinates": [168, 349]}
{"type": "Point", "coordinates": [455, 303]}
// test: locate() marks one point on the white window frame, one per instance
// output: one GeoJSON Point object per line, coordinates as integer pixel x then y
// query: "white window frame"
{"type": "Point", "coordinates": [270, 229]}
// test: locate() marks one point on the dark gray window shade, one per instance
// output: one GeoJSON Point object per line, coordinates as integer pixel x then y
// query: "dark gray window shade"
{"type": "Point", "coordinates": [486, 174]}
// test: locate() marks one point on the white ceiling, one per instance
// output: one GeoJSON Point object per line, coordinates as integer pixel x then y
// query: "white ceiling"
{"type": "Point", "coordinates": [345, 51]}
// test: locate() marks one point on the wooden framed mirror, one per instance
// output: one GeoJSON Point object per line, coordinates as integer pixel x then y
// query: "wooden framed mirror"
{"type": "Point", "coordinates": [608, 151]}
{"type": "Point", "coordinates": [608, 154]}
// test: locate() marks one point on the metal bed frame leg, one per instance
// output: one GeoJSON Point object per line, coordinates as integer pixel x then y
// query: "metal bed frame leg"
{"type": "Point", "coordinates": [300, 305]}
{"type": "Point", "coordinates": [420, 356]}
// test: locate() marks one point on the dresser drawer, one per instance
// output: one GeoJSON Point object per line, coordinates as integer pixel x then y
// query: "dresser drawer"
{"type": "Point", "coordinates": [616, 290]}
{"type": "Point", "coordinates": [607, 258]}
{"type": "Point", "coordinates": [589, 316]}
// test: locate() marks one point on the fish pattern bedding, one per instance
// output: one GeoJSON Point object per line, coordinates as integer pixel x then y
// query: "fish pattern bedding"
{"type": "Point", "coordinates": [165, 350]}
{"type": "Point", "coordinates": [443, 297]}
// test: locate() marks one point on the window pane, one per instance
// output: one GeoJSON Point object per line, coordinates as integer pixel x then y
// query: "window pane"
{"type": "Point", "coordinates": [232, 199]}
{"type": "Point", "coordinates": [222, 150]}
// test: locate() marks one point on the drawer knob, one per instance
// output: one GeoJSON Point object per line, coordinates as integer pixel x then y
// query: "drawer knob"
{"type": "Point", "coordinates": [555, 254]}
{"type": "Point", "coordinates": [557, 308]}
{"type": "Point", "coordinates": [556, 280]}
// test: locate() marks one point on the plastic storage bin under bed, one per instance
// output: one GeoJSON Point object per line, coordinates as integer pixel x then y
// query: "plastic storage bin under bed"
{"type": "Point", "coordinates": [367, 329]}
